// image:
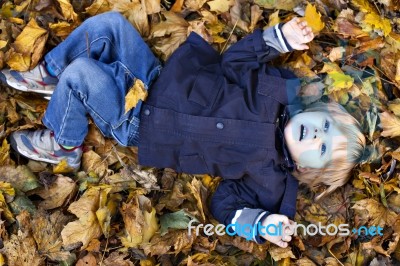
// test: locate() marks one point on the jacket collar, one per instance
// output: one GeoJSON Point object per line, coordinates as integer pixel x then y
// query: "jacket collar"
{"type": "Point", "coordinates": [280, 145]}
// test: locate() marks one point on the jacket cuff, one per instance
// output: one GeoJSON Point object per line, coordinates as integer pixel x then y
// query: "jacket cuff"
{"type": "Point", "coordinates": [274, 37]}
{"type": "Point", "coordinates": [246, 223]}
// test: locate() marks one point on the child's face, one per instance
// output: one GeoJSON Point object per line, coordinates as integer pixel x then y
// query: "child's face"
{"type": "Point", "coordinates": [313, 139]}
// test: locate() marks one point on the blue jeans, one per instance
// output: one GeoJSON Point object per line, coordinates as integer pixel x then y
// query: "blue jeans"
{"type": "Point", "coordinates": [96, 65]}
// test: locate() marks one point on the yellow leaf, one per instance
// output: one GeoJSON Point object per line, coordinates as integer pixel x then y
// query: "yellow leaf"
{"type": "Point", "coordinates": [61, 29]}
{"type": "Point", "coordinates": [134, 222]}
{"type": "Point", "coordinates": [220, 6]}
{"type": "Point", "coordinates": [278, 253]}
{"type": "Point", "coordinates": [62, 168]}
{"type": "Point", "coordinates": [2, 261]}
{"type": "Point", "coordinates": [313, 18]}
{"type": "Point", "coordinates": [394, 106]}
{"type": "Point", "coordinates": [98, 7]}
{"type": "Point", "coordinates": [87, 227]}
{"type": "Point", "coordinates": [68, 11]}
{"type": "Point", "coordinates": [28, 47]}
{"type": "Point", "coordinates": [273, 19]}
{"type": "Point", "coordinates": [5, 154]}
{"type": "Point", "coordinates": [378, 22]}
{"type": "Point", "coordinates": [340, 81]}
{"type": "Point", "coordinates": [92, 162]}
{"type": "Point", "coordinates": [278, 4]}
{"type": "Point", "coordinates": [136, 93]}
{"type": "Point", "coordinates": [390, 124]}
{"type": "Point", "coordinates": [5, 210]}
{"type": "Point", "coordinates": [57, 193]}
{"type": "Point", "coordinates": [26, 40]}
{"type": "Point", "coordinates": [175, 28]}
{"type": "Point", "coordinates": [363, 5]}
{"type": "Point", "coordinates": [3, 44]}
{"type": "Point", "coordinates": [6, 188]}
{"type": "Point", "coordinates": [150, 225]}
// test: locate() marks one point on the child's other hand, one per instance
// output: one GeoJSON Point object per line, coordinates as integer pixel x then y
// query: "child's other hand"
{"type": "Point", "coordinates": [284, 237]}
{"type": "Point", "coordinates": [297, 33]}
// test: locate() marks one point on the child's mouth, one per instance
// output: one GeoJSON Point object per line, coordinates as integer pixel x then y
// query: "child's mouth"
{"type": "Point", "coordinates": [303, 132]}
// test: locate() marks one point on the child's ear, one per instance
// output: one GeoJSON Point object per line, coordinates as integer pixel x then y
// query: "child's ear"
{"type": "Point", "coordinates": [302, 169]}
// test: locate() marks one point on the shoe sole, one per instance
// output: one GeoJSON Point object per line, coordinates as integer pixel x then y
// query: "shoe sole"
{"type": "Point", "coordinates": [37, 158]}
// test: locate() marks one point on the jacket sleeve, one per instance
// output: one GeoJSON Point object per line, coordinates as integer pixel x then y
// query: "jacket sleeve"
{"type": "Point", "coordinates": [252, 51]}
{"type": "Point", "coordinates": [237, 212]}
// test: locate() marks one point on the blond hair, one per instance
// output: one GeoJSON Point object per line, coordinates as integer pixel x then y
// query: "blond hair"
{"type": "Point", "coordinates": [337, 172]}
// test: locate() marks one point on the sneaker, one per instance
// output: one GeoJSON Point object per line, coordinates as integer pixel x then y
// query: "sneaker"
{"type": "Point", "coordinates": [36, 80]}
{"type": "Point", "coordinates": [40, 145]}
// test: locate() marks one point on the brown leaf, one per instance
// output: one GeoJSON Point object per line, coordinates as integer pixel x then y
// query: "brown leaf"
{"type": "Point", "coordinates": [373, 213]}
{"type": "Point", "coordinates": [173, 242]}
{"type": "Point", "coordinates": [278, 253]}
{"type": "Point", "coordinates": [46, 231]}
{"type": "Point", "coordinates": [194, 5]}
{"type": "Point", "coordinates": [390, 125]}
{"type": "Point", "coordinates": [20, 249]}
{"type": "Point", "coordinates": [199, 192]}
{"type": "Point", "coordinates": [98, 7]}
{"type": "Point", "coordinates": [177, 30]}
{"type": "Point", "coordinates": [28, 47]}
{"type": "Point", "coordinates": [67, 10]}
{"type": "Point", "coordinates": [57, 193]}
{"type": "Point", "coordinates": [20, 178]}
{"type": "Point", "coordinates": [152, 6]}
{"type": "Point", "coordinates": [87, 227]}
{"type": "Point", "coordinates": [135, 12]}
{"type": "Point", "coordinates": [91, 161]}
{"type": "Point", "coordinates": [88, 260]}
{"type": "Point", "coordinates": [118, 259]}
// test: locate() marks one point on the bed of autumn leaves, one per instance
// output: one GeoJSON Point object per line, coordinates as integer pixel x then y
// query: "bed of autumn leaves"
{"type": "Point", "coordinates": [114, 212]}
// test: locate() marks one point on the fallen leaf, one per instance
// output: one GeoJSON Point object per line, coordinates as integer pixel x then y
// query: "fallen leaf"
{"type": "Point", "coordinates": [98, 7]}
{"type": "Point", "coordinates": [199, 193]}
{"type": "Point", "coordinates": [88, 260]}
{"type": "Point", "coordinates": [87, 227]}
{"type": "Point", "coordinates": [336, 53]}
{"type": "Point", "coordinates": [20, 178]}
{"type": "Point", "coordinates": [175, 27]}
{"type": "Point", "coordinates": [135, 12]}
{"type": "Point", "coordinates": [61, 29]}
{"type": "Point", "coordinates": [92, 162]}
{"type": "Point", "coordinates": [175, 241]}
{"type": "Point", "coordinates": [118, 259]}
{"type": "Point", "coordinates": [67, 10]}
{"type": "Point", "coordinates": [175, 220]}
{"type": "Point", "coordinates": [194, 5]}
{"type": "Point", "coordinates": [62, 168]}
{"type": "Point", "coordinates": [145, 178]}
{"type": "Point", "coordinates": [390, 125]}
{"type": "Point", "coordinates": [152, 6]}
{"type": "Point", "coordinates": [46, 229]}
{"type": "Point", "coordinates": [28, 47]}
{"type": "Point", "coordinates": [220, 6]}
{"type": "Point", "coordinates": [273, 19]}
{"type": "Point", "coordinates": [378, 23]}
{"type": "Point", "coordinates": [373, 213]}
{"type": "Point", "coordinates": [20, 249]}
{"type": "Point", "coordinates": [340, 81]}
{"type": "Point", "coordinates": [313, 19]}
{"type": "Point", "coordinates": [278, 4]}
{"type": "Point", "coordinates": [5, 154]}
{"type": "Point", "coordinates": [278, 253]}
{"type": "Point", "coordinates": [136, 93]}
{"type": "Point", "coordinates": [55, 195]}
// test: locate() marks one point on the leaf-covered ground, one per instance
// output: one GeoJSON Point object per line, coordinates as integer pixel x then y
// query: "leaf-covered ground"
{"type": "Point", "coordinates": [113, 212]}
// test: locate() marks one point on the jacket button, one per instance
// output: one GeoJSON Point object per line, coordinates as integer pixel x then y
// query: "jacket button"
{"type": "Point", "coordinates": [146, 111]}
{"type": "Point", "coordinates": [220, 125]}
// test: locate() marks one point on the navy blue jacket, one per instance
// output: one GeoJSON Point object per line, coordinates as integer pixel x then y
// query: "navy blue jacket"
{"type": "Point", "coordinates": [220, 114]}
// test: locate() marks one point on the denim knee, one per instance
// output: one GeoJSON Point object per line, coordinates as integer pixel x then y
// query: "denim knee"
{"type": "Point", "coordinates": [107, 21]}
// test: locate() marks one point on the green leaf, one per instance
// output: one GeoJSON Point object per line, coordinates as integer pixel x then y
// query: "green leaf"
{"type": "Point", "coordinates": [175, 220]}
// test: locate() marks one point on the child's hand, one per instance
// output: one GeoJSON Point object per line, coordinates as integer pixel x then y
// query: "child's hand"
{"type": "Point", "coordinates": [297, 33]}
{"type": "Point", "coordinates": [285, 236]}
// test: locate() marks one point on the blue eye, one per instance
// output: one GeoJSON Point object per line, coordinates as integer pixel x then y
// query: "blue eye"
{"type": "Point", "coordinates": [326, 125]}
{"type": "Point", "coordinates": [323, 148]}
